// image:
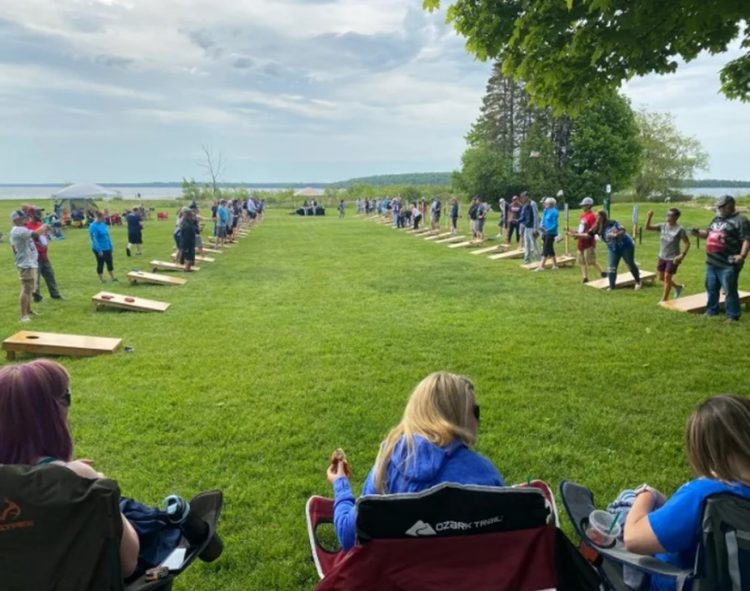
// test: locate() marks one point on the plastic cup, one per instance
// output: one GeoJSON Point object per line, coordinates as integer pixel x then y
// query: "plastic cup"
{"type": "Point", "coordinates": [600, 530]}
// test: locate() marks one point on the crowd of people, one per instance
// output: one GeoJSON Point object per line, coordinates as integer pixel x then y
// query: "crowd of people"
{"type": "Point", "coordinates": [727, 239]}
{"type": "Point", "coordinates": [30, 238]}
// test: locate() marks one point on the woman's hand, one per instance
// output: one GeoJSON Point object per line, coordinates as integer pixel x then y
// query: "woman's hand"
{"type": "Point", "coordinates": [339, 467]}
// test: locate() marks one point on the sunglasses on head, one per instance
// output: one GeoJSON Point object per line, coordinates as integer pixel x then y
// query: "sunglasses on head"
{"type": "Point", "coordinates": [475, 410]}
{"type": "Point", "coordinates": [65, 398]}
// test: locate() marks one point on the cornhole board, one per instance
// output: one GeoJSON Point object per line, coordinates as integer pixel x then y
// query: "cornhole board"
{"type": "Point", "coordinates": [198, 257]}
{"type": "Point", "coordinates": [52, 343]}
{"type": "Point", "coordinates": [167, 266]}
{"type": "Point", "coordinates": [420, 232]}
{"type": "Point", "coordinates": [489, 249]}
{"type": "Point", "coordinates": [451, 239]}
{"type": "Point", "coordinates": [211, 250]}
{"type": "Point", "coordinates": [136, 276]}
{"type": "Point", "coordinates": [564, 260]}
{"type": "Point", "coordinates": [123, 302]}
{"type": "Point", "coordinates": [623, 280]}
{"type": "Point", "coordinates": [696, 303]}
{"type": "Point", "coordinates": [438, 236]}
{"type": "Point", "coordinates": [463, 244]}
{"type": "Point", "coordinates": [511, 254]}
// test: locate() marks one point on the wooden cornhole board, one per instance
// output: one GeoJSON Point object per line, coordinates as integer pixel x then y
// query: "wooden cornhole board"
{"type": "Point", "coordinates": [143, 277]}
{"type": "Point", "coordinates": [511, 254]}
{"type": "Point", "coordinates": [451, 239]}
{"type": "Point", "coordinates": [167, 266]}
{"type": "Point", "coordinates": [623, 280]}
{"type": "Point", "coordinates": [464, 244]}
{"type": "Point", "coordinates": [198, 257]}
{"type": "Point", "coordinates": [489, 249]}
{"type": "Point", "coordinates": [438, 236]}
{"type": "Point", "coordinates": [564, 260]}
{"type": "Point", "coordinates": [211, 250]}
{"type": "Point", "coordinates": [116, 300]}
{"type": "Point", "coordinates": [420, 232]}
{"type": "Point", "coordinates": [52, 343]}
{"type": "Point", "coordinates": [696, 303]}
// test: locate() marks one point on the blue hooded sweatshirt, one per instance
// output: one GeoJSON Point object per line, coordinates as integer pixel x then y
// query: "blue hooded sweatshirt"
{"type": "Point", "coordinates": [427, 466]}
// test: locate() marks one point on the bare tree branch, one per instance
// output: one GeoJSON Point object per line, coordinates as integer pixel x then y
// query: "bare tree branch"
{"type": "Point", "coordinates": [213, 164]}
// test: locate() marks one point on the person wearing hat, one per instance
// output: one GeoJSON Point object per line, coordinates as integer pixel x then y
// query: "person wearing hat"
{"type": "Point", "coordinates": [27, 260]}
{"type": "Point", "coordinates": [585, 242]}
{"type": "Point", "coordinates": [727, 245]}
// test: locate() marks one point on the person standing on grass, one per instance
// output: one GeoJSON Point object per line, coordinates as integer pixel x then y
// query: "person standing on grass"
{"type": "Point", "coordinates": [550, 218]}
{"type": "Point", "coordinates": [670, 257]}
{"type": "Point", "coordinates": [188, 232]}
{"type": "Point", "coordinates": [514, 212]}
{"type": "Point", "coordinates": [135, 228]}
{"type": "Point", "coordinates": [415, 216]}
{"type": "Point", "coordinates": [27, 260]}
{"type": "Point", "coordinates": [222, 222]}
{"type": "Point", "coordinates": [44, 269]}
{"type": "Point", "coordinates": [101, 245]}
{"type": "Point", "coordinates": [454, 215]}
{"type": "Point", "coordinates": [473, 213]}
{"type": "Point", "coordinates": [619, 246]}
{"type": "Point", "coordinates": [435, 210]}
{"type": "Point", "coordinates": [585, 242]}
{"type": "Point", "coordinates": [502, 206]}
{"type": "Point", "coordinates": [529, 227]}
{"type": "Point", "coordinates": [727, 247]}
{"type": "Point", "coordinates": [341, 208]}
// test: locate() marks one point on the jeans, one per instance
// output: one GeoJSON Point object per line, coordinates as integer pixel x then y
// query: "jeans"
{"type": "Point", "coordinates": [726, 278]}
{"type": "Point", "coordinates": [627, 254]}
{"type": "Point", "coordinates": [529, 244]}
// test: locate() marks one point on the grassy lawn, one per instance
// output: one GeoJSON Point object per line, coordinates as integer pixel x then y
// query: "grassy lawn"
{"type": "Point", "coordinates": [310, 334]}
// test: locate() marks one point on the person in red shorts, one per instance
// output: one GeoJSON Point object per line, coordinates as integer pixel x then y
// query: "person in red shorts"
{"type": "Point", "coordinates": [585, 242]}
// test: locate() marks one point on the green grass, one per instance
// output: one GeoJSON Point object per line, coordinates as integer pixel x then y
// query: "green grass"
{"type": "Point", "coordinates": [310, 336]}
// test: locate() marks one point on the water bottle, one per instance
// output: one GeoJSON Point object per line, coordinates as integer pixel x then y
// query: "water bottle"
{"type": "Point", "coordinates": [193, 527]}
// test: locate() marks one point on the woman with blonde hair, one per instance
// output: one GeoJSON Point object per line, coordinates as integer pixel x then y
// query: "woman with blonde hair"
{"type": "Point", "coordinates": [717, 442]}
{"type": "Point", "coordinates": [431, 445]}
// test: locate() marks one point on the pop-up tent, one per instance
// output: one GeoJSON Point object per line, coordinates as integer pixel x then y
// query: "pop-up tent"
{"type": "Point", "coordinates": [80, 196]}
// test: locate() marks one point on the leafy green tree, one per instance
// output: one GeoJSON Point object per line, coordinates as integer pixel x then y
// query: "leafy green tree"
{"type": "Point", "coordinates": [669, 158]}
{"type": "Point", "coordinates": [486, 171]}
{"type": "Point", "coordinates": [571, 51]}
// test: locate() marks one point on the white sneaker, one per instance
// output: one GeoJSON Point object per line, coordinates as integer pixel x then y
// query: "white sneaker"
{"type": "Point", "coordinates": [25, 318]}
{"type": "Point", "coordinates": [638, 286]}
{"type": "Point", "coordinates": [539, 269]}
{"type": "Point", "coordinates": [555, 267]}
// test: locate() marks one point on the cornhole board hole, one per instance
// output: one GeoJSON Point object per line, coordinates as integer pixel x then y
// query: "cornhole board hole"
{"type": "Point", "coordinates": [511, 254]}
{"type": "Point", "coordinates": [451, 239]}
{"type": "Point", "coordinates": [696, 303]}
{"type": "Point", "coordinates": [116, 300]}
{"type": "Point", "coordinates": [211, 250]}
{"type": "Point", "coordinates": [142, 277]}
{"type": "Point", "coordinates": [562, 261]}
{"type": "Point", "coordinates": [438, 236]}
{"type": "Point", "coordinates": [167, 266]}
{"type": "Point", "coordinates": [52, 343]}
{"type": "Point", "coordinates": [489, 249]}
{"type": "Point", "coordinates": [624, 280]}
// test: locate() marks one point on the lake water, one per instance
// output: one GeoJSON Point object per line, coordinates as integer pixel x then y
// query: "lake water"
{"type": "Point", "coordinates": [716, 191]}
{"type": "Point", "coordinates": [40, 192]}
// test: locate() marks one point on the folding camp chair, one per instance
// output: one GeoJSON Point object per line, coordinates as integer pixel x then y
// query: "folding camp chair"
{"type": "Point", "coordinates": [723, 556]}
{"type": "Point", "coordinates": [61, 532]}
{"type": "Point", "coordinates": [450, 536]}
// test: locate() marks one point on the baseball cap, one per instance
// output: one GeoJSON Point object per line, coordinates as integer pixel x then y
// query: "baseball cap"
{"type": "Point", "coordinates": [724, 199]}
{"type": "Point", "coordinates": [17, 215]}
{"type": "Point", "coordinates": [587, 201]}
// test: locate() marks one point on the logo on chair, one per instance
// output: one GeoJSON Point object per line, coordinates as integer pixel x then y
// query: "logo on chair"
{"type": "Point", "coordinates": [420, 528]}
{"type": "Point", "coordinates": [9, 514]}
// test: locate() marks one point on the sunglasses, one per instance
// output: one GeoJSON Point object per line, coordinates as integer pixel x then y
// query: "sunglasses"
{"type": "Point", "coordinates": [475, 410]}
{"type": "Point", "coordinates": [65, 398]}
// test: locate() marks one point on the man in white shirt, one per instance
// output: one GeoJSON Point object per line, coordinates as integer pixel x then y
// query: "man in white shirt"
{"type": "Point", "coordinates": [22, 243]}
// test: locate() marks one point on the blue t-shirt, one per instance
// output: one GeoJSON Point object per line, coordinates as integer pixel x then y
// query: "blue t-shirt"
{"type": "Point", "coordinates": [549, 220]}
{"type": "Point", "coordinates": [134, 222]}
{"type": "Point", "coordinates": [99, 237]}
{"type": "Point", "coordinates": [619, 243]}
{"type": "Point", "coordinates": [677, 524]}
{"type": "Point", "coordinates": [222, 216]}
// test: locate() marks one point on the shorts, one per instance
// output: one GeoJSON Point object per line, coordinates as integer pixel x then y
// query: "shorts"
{"type": "Point", "coordinates": [28, 279]}
{"type": "Point", "coordinates": [480, 225]}
{"type": "Point", "coordinates": [666, 266]}
{"type": "Point", "coordinates": [221, 231]}
{"type": "Point", "coordinates": [587, 256]}
{"type": "Point", "coordinates": [135, 237]}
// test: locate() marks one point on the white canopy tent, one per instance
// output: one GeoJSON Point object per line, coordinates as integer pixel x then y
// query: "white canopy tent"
{"type": "Point", "coordinates": [309, 192]}
{"type": "Point", "coordinates": [84, 191]}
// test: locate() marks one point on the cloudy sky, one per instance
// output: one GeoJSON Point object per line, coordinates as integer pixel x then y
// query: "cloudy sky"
{"type": "Point", "coordinates": [286, 90]}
